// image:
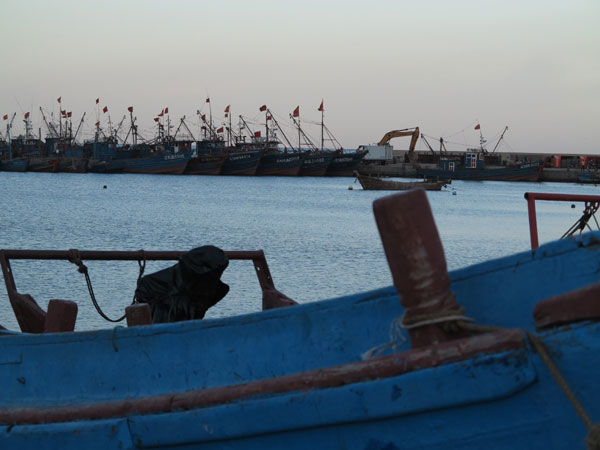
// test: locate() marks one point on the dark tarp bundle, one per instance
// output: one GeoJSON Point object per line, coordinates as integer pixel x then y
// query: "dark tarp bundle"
{"type": "Point", "coordinates": [186, 290]}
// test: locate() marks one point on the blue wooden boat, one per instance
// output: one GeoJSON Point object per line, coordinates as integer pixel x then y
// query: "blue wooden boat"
{"type": "Point", "coordinates": [502, 354]}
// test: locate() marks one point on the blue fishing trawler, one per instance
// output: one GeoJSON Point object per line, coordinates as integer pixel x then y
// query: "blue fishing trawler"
{"type": "Point", "coordinates": [500, 354]}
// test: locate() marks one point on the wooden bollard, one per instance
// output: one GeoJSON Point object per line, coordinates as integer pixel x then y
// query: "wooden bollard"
{"type": "Point", "coordinates": [138, 314]}
{"type": "Point", "coordinates": [61, 316]}
{"type": "Point", "coordinates": [416, 258]}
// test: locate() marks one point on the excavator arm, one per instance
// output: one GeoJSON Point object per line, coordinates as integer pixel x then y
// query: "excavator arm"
{"type": "Point", "coordinates": [414, 132]}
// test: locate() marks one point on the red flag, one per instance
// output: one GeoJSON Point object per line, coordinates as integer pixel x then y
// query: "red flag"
{"type": "Point", "coordinates": [296, 112]}
{"type": "Point", "coordinates": [227, 109]}
{"type": "Point", "coordinates": [5, 117]}
{"type": "Point", "coordinates": [69, 114]}
{"type": "Point", "coordinates": [58, 99]}
{"type": "Point", "coordinates": [263, 108]}
{"type": "Point", "coordinates": [320, 107]}
{"type": "Point", "coordinates": [167, 110]}
{"type": "Point", "coordinates": [207, 99]}
{"type": "Point", "coordinates": [156, 119]}
{"type": "Point", "coordinates": [26, 115]}
{"type": "Point", "coordinates": [162, 113]}
{"type": "Point", "coordinates": [105, 109]}
{"type": "Point", "coordinates": [220, 130]}
{"type": "Point", "coordinates": [130, 109]}
{"type": "Point", "coordinates": [204, 117]}
{"type": "Point", "coordinates": [269, 117]}
{"type": "Point", "coordinates": [97, 101]}
{"type": "Point", "coordinates": [64, 113]}
{"type": "Point", "coordinates": [477, 127]}
{"type": "Point", "coordinates": [226, 115]}
{"type": "Point", "coordinates": [97, 124]}
{"type": "Point", "coordinates": [257, 134]}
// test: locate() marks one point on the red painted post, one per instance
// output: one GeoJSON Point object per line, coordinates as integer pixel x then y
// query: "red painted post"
{"type": "Point", "coordinates": [61, 316]}
{"type": "Point", "coordinates": [138, 314]}
{"type": "Point", "coordinates": [533, 233]}
{"type": "Point", "coordinates": [418, 265]}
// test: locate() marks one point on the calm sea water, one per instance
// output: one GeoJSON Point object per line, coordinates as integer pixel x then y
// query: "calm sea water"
{"type": "Point", "coordinates": [319, 237]}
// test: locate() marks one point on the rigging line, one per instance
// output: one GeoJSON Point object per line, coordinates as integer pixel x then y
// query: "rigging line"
{"type": "Point", "coordinates": [465, 128]}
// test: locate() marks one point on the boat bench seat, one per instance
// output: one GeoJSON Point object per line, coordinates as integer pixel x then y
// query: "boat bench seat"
{"type": "Point", "coordinates": [574, 306]}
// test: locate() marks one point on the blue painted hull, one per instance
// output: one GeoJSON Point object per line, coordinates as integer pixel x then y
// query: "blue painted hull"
{"type": "Point", "coordinates": [315, 164]}
{"type": "Point", "coordinates": [242, 163]}
{"type": "Point", "coordinates": [14, 165]}
{"type": "Point", "coordinates": [344, 164]}
{"type": "Point", "coordinates": [168, 163]}
{"type": "Point", "coordinates": [530, 172]}
{"type": "Point", "coordinates": [500, 396]}
{"type": "Point", "coordinates": [279, 164]}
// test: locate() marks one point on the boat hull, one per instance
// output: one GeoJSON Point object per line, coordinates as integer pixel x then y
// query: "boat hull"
{"type": "Point", "coordinates": [205, 165]}
{"type": "Point", "coordinates": [242, 163]}
{"type": "Point", "coordinates": [73, 165]}
{"type": "Point", "coordinates": [377, 184]}
{"type": "Point", "coordinates": [43, 165]}
{"type": "Point", "coordinates": [330, 374]}
{"type": "Point", "coordinates": [315, 164]}
{"type": "Point", "coordinates": [529, 172]}
{"type": "Point", "coordinates": [167, 164]}
{"type": "Point", "coordinates": [14, 165]}
{"type": "Point", "coordinates": [344, 164]}
{"type": "Point", "coordinates": [280, 164]}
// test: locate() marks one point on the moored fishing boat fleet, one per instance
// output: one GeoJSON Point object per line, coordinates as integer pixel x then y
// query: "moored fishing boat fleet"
{"type": "Point", "coordinates": [219, 150]}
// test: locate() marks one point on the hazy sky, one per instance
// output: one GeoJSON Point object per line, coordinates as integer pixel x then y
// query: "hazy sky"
{"type": "Point", "coordinates": [379, 65]}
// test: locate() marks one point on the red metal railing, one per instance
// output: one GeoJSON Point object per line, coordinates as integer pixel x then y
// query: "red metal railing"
{"type": "Point", "coordinates": [28, 312]}
{"type": "Point", "coordinates": [592, 203]}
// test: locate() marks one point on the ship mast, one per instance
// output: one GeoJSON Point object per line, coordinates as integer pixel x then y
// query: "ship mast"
{"type": "Point", "coordinates": [279, 128]}
{"type": "Point", "coordinates": [500, 138]}
{"type": "Point", "coordinates": [302, 133]}
{"type": "Point", "coordinates": [322, 109]}
{"type": "Point", "coordinates": [252, 135]}
{"type": "Point", "coordinates": [8, 128]}
{"type": "Point", "coordinates": [79, 127]}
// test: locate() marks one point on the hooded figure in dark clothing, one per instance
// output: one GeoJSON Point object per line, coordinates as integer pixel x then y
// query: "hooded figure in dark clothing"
{"type": "Point", "coordinates": [186, 290]}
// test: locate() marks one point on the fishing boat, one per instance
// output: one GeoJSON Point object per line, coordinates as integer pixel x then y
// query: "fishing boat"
{"type": "Point", "coordinates": [473, 168]}
{"type": "Point", "coordinates": [471, 165]}
{"type": "Point", "coordinates": [500, 354]}
{"type": "Point", "coordinates": [274, 161]}
{"type": "Point", "coordinates": [161, 155]}
{"type": "Point", "coordinates": [369, 183]}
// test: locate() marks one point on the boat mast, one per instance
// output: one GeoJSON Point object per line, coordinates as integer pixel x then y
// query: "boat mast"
{"type": "Point", "coordinates": [229, 131]}
{"type": "Point", "coordinates": [8, 128]}
{"type": "Point", "coordinates": [59, 100]}
{"type": "Point", "coordinates": [322, 109]}
{"type": "Point", "coordinates": [280, 129]}
{"type": "Point", "coordinates": [79, 127]}
{"type": "Point", "coordinates": [252, 135]}
{"type": "Point", "coordinates": [301, 132]}
{"type": "Point", "coordinates": [500, 138]}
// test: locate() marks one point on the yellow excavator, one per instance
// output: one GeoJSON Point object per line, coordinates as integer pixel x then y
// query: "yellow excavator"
{"type": "Point", "coordinates": [414, 132]}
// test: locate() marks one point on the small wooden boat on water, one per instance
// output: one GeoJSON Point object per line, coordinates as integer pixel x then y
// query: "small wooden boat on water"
{"type": "Point", "coordinates": [502, 354]}
{"type": "Point", "coordinates": [369, 183]}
